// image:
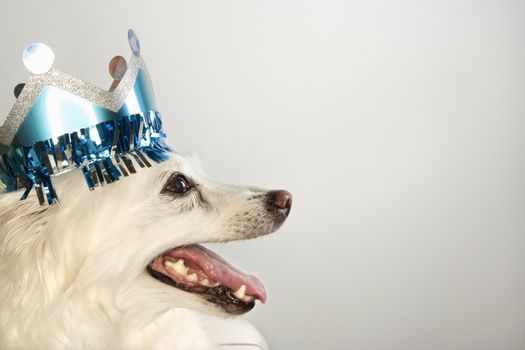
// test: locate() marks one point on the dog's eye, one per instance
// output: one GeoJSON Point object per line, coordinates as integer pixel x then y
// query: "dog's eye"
{"type": "Point", "coordinates": [178, 184]}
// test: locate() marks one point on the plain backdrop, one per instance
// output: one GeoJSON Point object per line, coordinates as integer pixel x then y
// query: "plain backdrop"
{"type": "Point", "coordinates": [397, 125]}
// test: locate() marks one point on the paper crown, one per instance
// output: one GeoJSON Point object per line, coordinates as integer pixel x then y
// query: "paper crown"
{"type": "Point", "coordinates": [60, 122]}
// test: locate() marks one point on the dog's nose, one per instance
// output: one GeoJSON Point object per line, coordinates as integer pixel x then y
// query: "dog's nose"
{"type": "Point", "coordinates": [280, 199]}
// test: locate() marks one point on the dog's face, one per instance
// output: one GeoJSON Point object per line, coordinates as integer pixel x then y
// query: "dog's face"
{"type": "Point", "coordinates": [180, 209]}
{"type": "Point", "coordinates": [198, 210]}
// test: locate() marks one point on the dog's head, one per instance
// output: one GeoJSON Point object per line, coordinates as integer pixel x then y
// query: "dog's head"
{"type": "Point", "coordinates": [193, 209]}
{"type": "Point", "coordinates": [153, 224]}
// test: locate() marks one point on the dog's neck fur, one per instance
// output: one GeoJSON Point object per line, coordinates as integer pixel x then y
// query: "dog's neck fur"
{"type": "Point", "coordinates": [50, 276]}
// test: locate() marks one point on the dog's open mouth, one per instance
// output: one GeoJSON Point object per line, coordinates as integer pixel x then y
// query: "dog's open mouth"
{"type": "Point", "coordinates": [198, 270]}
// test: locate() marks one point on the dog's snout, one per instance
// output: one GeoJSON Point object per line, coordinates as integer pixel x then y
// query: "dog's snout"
{"type": "Point", "coordinates": [280, 199]}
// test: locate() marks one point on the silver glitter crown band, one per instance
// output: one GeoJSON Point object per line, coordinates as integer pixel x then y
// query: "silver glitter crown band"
{"type": "Point", "coordinates": [59, 121]}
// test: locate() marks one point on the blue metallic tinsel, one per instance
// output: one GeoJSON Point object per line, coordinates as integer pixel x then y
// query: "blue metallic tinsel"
{"type": "Point", "coordinates": [104, 152]}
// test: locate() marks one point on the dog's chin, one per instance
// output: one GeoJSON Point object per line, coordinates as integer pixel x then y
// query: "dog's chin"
{"type": "Point", "coordinates": [201, 272]}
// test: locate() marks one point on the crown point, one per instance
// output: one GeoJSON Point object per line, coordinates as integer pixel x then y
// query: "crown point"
{"type": "Point", "coordinates": [134, 42]}
{"type": "Point", "coordinates": [38, 58]}
{"type": "Point", "coordinates": [117, 67]}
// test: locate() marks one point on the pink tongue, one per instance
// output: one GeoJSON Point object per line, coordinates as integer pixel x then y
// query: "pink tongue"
{"type": "Point", "coordinates": [220, 270]}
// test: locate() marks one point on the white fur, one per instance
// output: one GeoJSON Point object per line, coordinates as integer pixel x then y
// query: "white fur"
{"type": "Point", "coordinates": [73, 275]}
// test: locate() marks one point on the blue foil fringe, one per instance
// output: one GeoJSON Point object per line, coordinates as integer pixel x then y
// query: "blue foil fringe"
{"type": "Point", "coordinates": [95, 150]}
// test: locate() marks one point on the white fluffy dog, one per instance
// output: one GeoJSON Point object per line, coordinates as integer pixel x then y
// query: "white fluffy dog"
{"type": "Point", "coordinates": [120, 267]}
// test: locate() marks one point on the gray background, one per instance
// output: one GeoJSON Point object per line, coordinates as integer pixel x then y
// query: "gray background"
{"type": "Point", "coordinates": [398, 126]}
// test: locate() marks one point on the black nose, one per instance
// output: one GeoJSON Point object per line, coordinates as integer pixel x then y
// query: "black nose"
{"type": "Point", "coordinates": [280, 199]}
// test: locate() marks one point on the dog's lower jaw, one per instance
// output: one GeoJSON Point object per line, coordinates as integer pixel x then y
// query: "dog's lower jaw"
{"type": "Point", "coordinates": [219, 295]}
{"type": "Point", "coordinates": [203, 273]}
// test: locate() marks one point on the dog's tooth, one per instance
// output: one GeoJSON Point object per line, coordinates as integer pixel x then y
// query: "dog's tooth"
{"type": "Point", "coordinates": [241, 292]}
{"type": "Point", "coordinates": [204, 282]}
{"type": "Point", "coordinates": [247, 298]}
{"type": "Point", "coordinates": [192, 277]}
{"type": "Point", "coordinates": [180, 268]}
{"type": "Point", "coordinates": [169, 264]}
